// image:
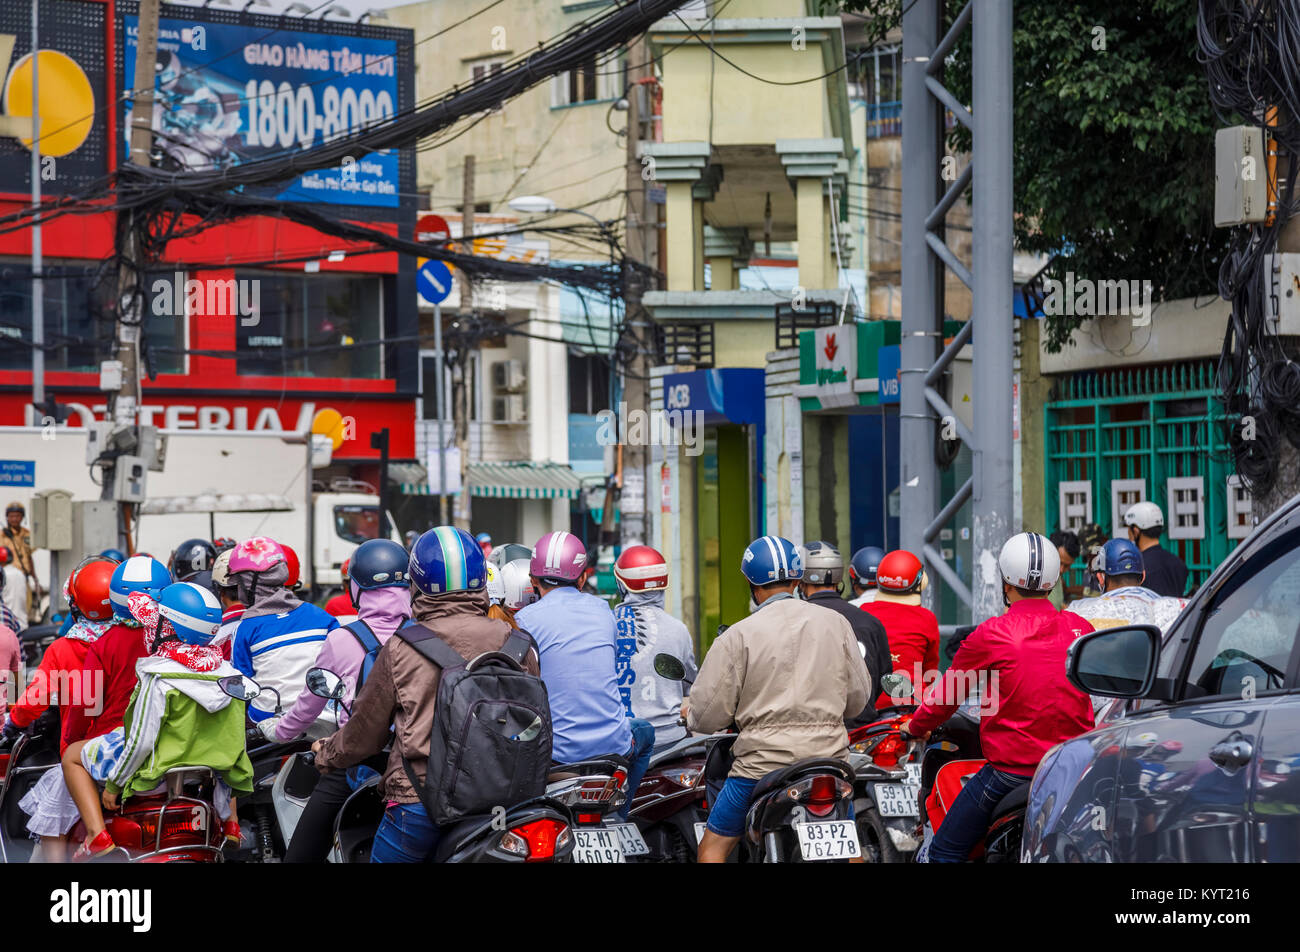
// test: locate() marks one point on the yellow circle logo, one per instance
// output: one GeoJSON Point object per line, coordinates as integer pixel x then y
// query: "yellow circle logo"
{"type": "Point", "coordinates": [67, 103]}
{"type": "Point", "coordinates": [329, 422]}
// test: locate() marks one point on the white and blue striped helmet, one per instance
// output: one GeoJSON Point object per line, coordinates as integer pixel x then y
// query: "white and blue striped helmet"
{"type": "Point", "coordinates": [771, 559]}
{"type": "Point", "coordinates": [446, 559]}
{"type": "Point", "coordinates": [194, 612]}
{"type": "Point", "coordinates": [139, 573]}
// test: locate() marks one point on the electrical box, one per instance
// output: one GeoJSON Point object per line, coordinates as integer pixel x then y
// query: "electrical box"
{"type": "Point", "coordinates": [153, 447]}
{"type": "Point", "coordinates": [129, 478]}
{"type": "Point", "coordinates": [508, 375]}
{"type": "Point", "coordinates": [110, 376]}
{"type": "Point", "coordinates": [1240, 176]}
{"type": "Point", "coordinates": [96, 440]}
{"type": "Point", "coordinates": [52, 520]}
{"type": "Point", "coordinates": [1281, 294]}
{"type": "Point", "coordinates": [94, 526]}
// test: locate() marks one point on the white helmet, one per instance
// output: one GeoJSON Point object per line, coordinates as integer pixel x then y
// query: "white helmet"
{"type": "Point", "coordinates": [221, 570]}
{"type": "Point", "coordinates": [1144, 515]}
{"type": "Point", "coordinates": [822, 563]}
{"type": "Point", "coordinates": [495, 589]}
{"type": "Point", "coordinates": [518, 587]}
{"type": "Point", "coordinates": [1030, 561]}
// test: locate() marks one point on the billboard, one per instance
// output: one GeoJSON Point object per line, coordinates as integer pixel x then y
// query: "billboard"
{"type": "Point", "coordinates": [230, 93]}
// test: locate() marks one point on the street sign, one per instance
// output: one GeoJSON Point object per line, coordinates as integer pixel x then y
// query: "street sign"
{"type": "Point", "coordinates": [17, 472]}
{"type": "Point", "coordinates": [432, 228]}
{"type": "Point", "coordinates": [888, 361]}
{"type": "Point", "coordinates": [434, 281]}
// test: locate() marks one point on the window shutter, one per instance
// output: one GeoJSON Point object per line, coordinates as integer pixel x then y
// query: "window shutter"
{"type": "Point", "coordinates": [559, 89]}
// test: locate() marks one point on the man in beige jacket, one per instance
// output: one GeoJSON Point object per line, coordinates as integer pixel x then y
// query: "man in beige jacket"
{"type": "Point", "coordinates": [787, 677]}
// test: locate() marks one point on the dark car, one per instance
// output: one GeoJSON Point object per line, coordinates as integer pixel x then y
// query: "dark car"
{"type": "Point", "coordinates": [1201, 761]}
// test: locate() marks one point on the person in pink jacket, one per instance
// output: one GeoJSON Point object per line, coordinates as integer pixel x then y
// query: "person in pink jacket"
{"type": "Point", "coordinates": [1017, 662]}
{"type": "Point", "coordinates": [379, 583]}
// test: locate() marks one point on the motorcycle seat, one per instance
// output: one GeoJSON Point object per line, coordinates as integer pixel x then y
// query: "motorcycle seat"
{"type": "Point", "coordinates": [1017, 799]}
{"type": "Point", "coordinates": [601, 766]}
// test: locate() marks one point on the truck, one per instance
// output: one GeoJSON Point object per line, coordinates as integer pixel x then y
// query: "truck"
{"type": "Point", "coordinates": [212, 484]}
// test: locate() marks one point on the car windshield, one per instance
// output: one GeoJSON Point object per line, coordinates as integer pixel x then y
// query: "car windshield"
{"type": "Point", "coordinates": [356, 523]}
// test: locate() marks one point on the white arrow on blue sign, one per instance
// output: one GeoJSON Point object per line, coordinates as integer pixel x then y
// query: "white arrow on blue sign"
{"type": "Point", "coordinates": [434, 281]}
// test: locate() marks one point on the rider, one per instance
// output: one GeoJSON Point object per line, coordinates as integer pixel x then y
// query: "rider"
{"type": "Point", "coordinates": [862, 574]}
{"type": "Point", "coordinates": [379, 589]}
{"type": "Point", "coordinates": [341, 605]}
{"type": "Point", "coordinates": [192, 557]}
{"type": "Point", "coordinates": [449, 595]}
{"type": "Point", "coordinates": [1027, 705]}
{"type": "Point", "coordinates": [645, 629]}
{"type": "Point", "coordinates": [13, 591]}
{"type": "Point", "coordinates": [823, 580]}
{"type": "Point", "coordinates": [787, 676]}
{"type": "Point", "coordinates": [912, 629]}
{"type": "Point", "coordinates": [278, 636]}
{"type": "Point", "coordinates": [1124, 600]}
{"type": "Point", "coordinates": [1166, 573]}
{"type": "Point", "coordinates": [179, 716]}
{"type": "Point", "coordinates": [577, 647]}
{"type": "Point", "coordinates": [232, 609]}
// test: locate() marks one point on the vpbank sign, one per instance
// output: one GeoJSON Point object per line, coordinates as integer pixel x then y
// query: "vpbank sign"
{"type": "Point", "coordinates": [836, 351]}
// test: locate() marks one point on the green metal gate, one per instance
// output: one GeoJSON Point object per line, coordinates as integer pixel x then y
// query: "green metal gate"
{"type": "Point", "coordinates": [1147, 423]}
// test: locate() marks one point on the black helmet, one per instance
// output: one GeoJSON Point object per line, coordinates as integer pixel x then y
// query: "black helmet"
{"type": "Point", "coordinates": [379, 563]}
{"type": "Point", "coordinates": [865, 561]}
{"type": "Point", "coordinates": [192, 557]}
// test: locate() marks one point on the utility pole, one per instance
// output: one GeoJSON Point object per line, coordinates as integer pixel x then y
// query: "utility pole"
{"type": "Point", "coordinates": [38, 285]}
{"type": "Point", "coordinates": [462, 397]}
{"type": "Point", "coordinates": [440, 363]}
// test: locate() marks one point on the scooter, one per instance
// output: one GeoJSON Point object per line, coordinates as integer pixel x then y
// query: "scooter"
{"type": "Point", "coordinates": [24, 761]}
{"type": "Point", "coordinates": [669, 804]}
{"type": "Point", "coordinates": [888, 774]}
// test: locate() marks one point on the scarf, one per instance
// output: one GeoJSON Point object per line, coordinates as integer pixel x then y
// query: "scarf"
{"type": "Point", "coordinates": [264, 592]}
{"type": "Point", "coordinates": [160, 637]}
{"type": "Point", "coordinates": [383, 609]}
{"type": "Point", "coordinates": [84, 629]}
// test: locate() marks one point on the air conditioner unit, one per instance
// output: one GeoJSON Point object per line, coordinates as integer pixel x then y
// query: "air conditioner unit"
{"type": "Point", "coordinates": [508, 375]}
{"type": "Point", "coordinates": [509, 409]}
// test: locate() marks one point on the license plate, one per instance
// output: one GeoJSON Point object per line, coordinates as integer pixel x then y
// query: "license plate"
{"type": "Point", "coordinates": [629, 839]}
{"type": "Point", "coordinates": [913, 773]}
{"type": "Point", "coordinates": [828, 839]}
{"type": "Point", "coordinates": [699, 831]}
{"type": "Point", "coordinates": [896, 799]}
{"type": "Point", "coordinates": [596, 846]}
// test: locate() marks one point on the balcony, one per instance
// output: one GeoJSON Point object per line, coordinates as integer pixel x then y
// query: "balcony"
{"type": "Point", "coordinates": [884, 119]}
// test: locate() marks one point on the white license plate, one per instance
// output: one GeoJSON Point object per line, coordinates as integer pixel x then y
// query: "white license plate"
{"type": "Point", "coordinates": [896, 799]}
{"type": "Point", "coordinates": [629, 839]}
{"type": "Point", "coordinates": [913, 773]}
{"type": "Point", "coordinates": [596, 846]}
{"type": "Point", "coordinates": [699, 832]}
{"type": "Point", "coordinates": [828, 839]}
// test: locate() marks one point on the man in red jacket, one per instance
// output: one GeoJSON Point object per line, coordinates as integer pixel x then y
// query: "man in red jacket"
{"type": "Point", "coordinates": [912, 629]}
{"type": "Point", "coordinates": [1029, 706]}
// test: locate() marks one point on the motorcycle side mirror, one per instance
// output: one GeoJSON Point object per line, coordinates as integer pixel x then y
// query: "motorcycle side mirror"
{"type": "Point", "coordinates": [897, 685]}
{"type": "Point", "coordinates": [667, 666]}
{"type": "Point", "coordinates": [239, 687]}
{"type": "Point", "coordinates": [325, 683]}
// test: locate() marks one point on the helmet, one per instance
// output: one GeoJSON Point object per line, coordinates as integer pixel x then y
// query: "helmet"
{"type": "Point", "coordinates": [862, 568]}
{"type": "Point", "coordinates": [446, 559]}
{"type": "Point", "coordinates": [192, 557]}
{"type": "Point", "coordinates": [900, 572]}
{"type": "Point", "coordinates": [139, 573]}
{"type": "Point", "coordinates": [770, 559]}
{"type": "Point", "coordinates": [483, 537]}
{"type": "Point", "coordinates": [508, 552]}
{"type": "Point", "coordinates": [496, 591]}
{"type": "Point", "coordinates": [517, 586]}
{"type": "Point", "coordinates": [558, 557]}
{"type": "Point", "coordinates": [224, 543]}
{"type": "Point", "coordinates": [5, 556]}
{"type": "Point", "coordinates": [117, 555]}
{"type": "Point", "coordinates": [823, 564]}
{"type": "Point", "coordinates": [380, 563]}
{"type": "Point", "coordinates": [256, 555]}
{"type": "Point", "coordinates": [343, 569]}
{"type": "Point", "coordinates": [641, 569]}
{"type": "Point", "coordinates": [194, 612]}
{"type": "Point", "coordinates": [1144, 515]}
{"type": "Point", "coordinates": [1030, 561]}
{"type": "Point", "coordinates": [88, 589]}
{"type": "Point", "coordinates": [1120, 557]}
{"type": "Point", "coordinates": [15, 506]}
{"type": "Point", "coordinates": [221, 569]}
{"type": "Point", "coordinates": [291, 559]}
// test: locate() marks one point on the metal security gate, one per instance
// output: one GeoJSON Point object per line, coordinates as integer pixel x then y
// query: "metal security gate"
{"type": "Point", "coordinates": [1155, 433]}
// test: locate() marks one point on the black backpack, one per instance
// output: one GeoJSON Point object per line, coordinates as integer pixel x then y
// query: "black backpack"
{"type": "Point", "coordinates": [491, 739]}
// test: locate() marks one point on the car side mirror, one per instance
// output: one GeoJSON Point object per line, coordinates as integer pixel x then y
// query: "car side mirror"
{"type": "Point", "coordinates": [670, 667]}
{"type": "Point", "coordinates": [240, 687]}
{"type": "Point", "coordinates": [1115, 662]}
{"type": "Point", "coordinates": [325, 683]}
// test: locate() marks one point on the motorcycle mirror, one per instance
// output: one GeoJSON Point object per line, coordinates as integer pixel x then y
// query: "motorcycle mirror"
{"type": "Point", "coordinates": [325, 683]}
{"type": "Point", "coordinates": [896, 685]}
{"type": "Point", "coordinates": [666, 666]}
{"type": "Point", "coordinates": [239, 687]}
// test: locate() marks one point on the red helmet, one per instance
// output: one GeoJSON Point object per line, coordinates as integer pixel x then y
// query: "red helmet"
{"type": "Point", "coordinates": [291, 559]}
{"type": "Point", "coordinates": [88, 589]}
{"type": "Point", "coordinates": [344, 568]}
{"type": "Point", "coordinates": [899, 572]}
{"type": "Point", "coordinates": [5, 556]}
{"type": "Point", "coordinates": [641, 569]}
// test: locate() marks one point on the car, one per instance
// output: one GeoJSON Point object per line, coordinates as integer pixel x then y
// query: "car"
{"type": "Point", "coordinates": [1199, 759]}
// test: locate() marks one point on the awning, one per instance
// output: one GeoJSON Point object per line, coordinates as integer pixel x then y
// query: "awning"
{"type": "Point", "coordinates": [212, 501]}
{"type": "Point", "coordinates": [520, 480]}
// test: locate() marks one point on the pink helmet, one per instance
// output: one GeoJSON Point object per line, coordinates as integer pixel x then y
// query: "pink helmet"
{"type": "Point", "coordinates": [560, 556]}
{"type": "Point", "coordinates": [256, 555]}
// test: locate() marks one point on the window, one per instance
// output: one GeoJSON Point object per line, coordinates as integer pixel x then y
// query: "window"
{"type": "Point", "coordinates": [595, 81]}
{"type": "Point", "coordinates": [483, 68]}
{"type": "Point", "coordinates": [356, 523]}
{"type": "Point", "coordinates": [1250, 629]}
{"type": "Point", "coordinates": [588, 384]}
{"type": "Point", "coordinates": [313, 325]}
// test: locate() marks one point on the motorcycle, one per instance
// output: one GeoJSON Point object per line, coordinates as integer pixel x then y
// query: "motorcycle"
{"type": "Point", "coordinates": [24, 761]}
{"type": "Point", "coordinates": [888, 774]}
{"type": "Point", "coordinates": [669, 804]}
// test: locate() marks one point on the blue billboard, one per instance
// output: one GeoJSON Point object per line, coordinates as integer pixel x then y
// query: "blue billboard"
{"type": "Point", "coordinates": [231, 93]}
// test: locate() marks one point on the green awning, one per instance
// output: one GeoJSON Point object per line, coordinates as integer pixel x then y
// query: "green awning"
{"type": "Point", "coordinates": [524, 480]}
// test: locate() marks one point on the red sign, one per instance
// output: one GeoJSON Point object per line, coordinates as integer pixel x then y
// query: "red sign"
{"type": "Point", "coordinates": [432, 228]}
{"type": "Point", "coordinates": [831, 347]}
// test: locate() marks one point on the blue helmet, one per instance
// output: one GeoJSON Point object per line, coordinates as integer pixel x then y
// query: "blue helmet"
{"type": "Point", "coordinates": [139, 573]}
{"type": "Point", "coordinates": [863, 565]}
{"type": "Point", "coordinates": [117, 555]}
{"type": "Point", "coordinates": [483, 537]}
{"type": "Point", "coordinates": [771, 559]}
{"type": "Point", "coordinates": [447, 559]}
{"type": "Point", "coordinates": [1120, 557]}
{"type": "Point", "coordinates": [379, 563]}
{"type": "Point", "coordinates": [194, 612]}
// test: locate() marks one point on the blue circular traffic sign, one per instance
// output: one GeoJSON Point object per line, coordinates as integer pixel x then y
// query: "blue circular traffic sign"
{"type": "Point", "coordinates": [434, 281]}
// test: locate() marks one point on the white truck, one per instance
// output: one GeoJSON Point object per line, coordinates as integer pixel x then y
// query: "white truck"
{"type": "Point", "coordinates": [213, 484]}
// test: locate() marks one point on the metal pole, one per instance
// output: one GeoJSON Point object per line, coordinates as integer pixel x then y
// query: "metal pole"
{"type": "Point", "coordinates": [922, 290]}
{"type": "Point", "coordinates": [307, 564]}
{"type": "Point", "coordinates": [440, 383]}
{"type": "Point", "coordinates": [992, 306]}
{"type": "Point", "coordinates": [38, 286]}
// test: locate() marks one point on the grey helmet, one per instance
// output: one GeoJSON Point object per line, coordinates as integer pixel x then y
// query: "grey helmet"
{"type": "Point", "coordinates": [823, 564]}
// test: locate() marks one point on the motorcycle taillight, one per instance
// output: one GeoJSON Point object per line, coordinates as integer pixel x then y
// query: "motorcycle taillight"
{"type": "Point", "coordinates": [189, 822]}
{"type": "Point", "coordinates": [543, 838]}
{"type": "Point", "coordinates": [822, 797]}
{"type": "Point", "coordinates": [886, 753]}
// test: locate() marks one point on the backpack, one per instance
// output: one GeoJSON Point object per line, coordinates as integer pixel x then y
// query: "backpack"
{"type": "Point", "coordinates": [491, 739]}
{"type": "Point", "coordinates": [369, 644]}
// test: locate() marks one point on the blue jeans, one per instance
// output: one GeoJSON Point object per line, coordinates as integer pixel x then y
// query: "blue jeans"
{"type": "Point", "coordinates": [643, 742]}
{"type": "Point", "coordinates": [968, 820]}
{"type": "Point", "coordinates": [406, 835]}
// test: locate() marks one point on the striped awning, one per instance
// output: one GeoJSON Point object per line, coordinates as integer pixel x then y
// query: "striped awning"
{"type": "Point", "coordinates": [524, 480]}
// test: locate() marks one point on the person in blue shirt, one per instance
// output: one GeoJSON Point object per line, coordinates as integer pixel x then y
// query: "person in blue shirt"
{"type": "Point", "coordinates": [576, 644]}
{"type": "Point", "coordinates": [278, 636]}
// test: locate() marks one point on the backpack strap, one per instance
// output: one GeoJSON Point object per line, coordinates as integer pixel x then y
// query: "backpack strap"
{"type": "Point", "coordinates": [364, 634]}
{"type": "Point", "coordinates": [431, 645]}
{"type": "Point", "coordinates": [517, 646]}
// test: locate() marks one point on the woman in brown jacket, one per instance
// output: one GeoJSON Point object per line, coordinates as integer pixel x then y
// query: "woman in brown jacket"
{"type": "Point", "coordinates": [448, 596]}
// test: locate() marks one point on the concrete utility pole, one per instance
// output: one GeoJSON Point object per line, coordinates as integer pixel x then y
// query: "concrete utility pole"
{"type": "Point", "coordinates": [460, 405]}
{"type": "Point", "coordinates": [38, 285]}
{"type": "Point", "coordinates": [925, 253]}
